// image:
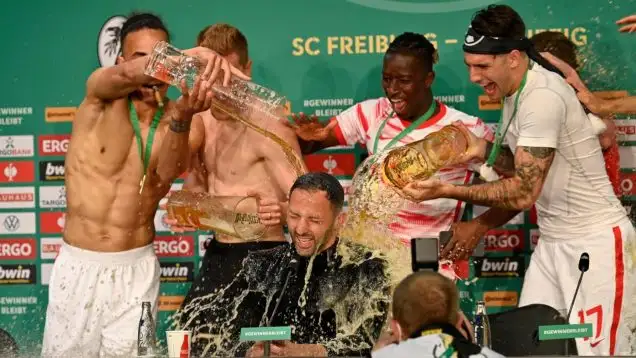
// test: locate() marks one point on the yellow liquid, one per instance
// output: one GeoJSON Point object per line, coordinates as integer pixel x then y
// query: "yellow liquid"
{"type": "Point", "coordinates": [231, 110]}
{"type": "Point", "coordinates": [233, 216]}
{"type": "Point", "coordinates": [422, 159]}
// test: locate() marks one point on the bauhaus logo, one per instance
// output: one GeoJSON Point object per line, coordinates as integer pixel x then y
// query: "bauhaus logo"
{"type": "Point", "coordinates": [17, 197]}
{"type": "Point", "coordinates": [52, 170]}
{"type": "Point", "coordinates": [513, 266]}
{"type": "Point", "coordinates": [177, 272]}
{"type": "Point", "coordinates": [17, 274]}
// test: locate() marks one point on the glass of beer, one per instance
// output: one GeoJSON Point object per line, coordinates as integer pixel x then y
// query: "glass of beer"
{"type": "Point", "coordinates": [236, 216]}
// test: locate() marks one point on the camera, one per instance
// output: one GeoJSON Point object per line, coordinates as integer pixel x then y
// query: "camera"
{"type": "Point", "coordinates": [425, 253]}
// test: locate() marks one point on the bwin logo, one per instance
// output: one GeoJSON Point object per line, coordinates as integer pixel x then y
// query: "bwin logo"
{"type": "Point", "coordinates": [419, 8]}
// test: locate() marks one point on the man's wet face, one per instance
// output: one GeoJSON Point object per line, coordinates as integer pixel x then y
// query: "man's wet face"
{"type": "Point", "coordinates": [138, 44]}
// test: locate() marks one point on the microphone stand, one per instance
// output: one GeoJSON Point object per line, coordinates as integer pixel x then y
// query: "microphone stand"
{"type": "Point", "coordinates": [584, 265]}
{"type": "Point", "coordinates": [293, 267]}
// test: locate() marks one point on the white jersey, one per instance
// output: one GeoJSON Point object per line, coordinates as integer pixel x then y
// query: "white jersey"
{"type": "Point", "coordinates": [361, 123]}
{"type": "Point", "coordinates": [436, 345]}
{"type": "Point", "coordinates": [577, 196]}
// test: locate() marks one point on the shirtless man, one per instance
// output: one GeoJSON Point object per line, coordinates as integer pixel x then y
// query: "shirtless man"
{"type": "Point", "coordinates": [230, 159]}
{"type": "Point", "coordinates": [107, 265]}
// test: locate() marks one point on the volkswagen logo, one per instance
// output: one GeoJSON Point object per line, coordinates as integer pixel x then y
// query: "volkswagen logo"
{"type": "Point", "coordinates": [11, 223]}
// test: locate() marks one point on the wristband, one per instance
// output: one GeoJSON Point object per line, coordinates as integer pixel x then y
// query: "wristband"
{"type": "Point", "coordinates": [179, 126]}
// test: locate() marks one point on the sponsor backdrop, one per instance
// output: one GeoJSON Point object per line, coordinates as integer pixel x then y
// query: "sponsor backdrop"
{"type": "Point", "coordinates": [324, 55]}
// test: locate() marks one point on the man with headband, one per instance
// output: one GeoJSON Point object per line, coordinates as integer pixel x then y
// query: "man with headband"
{"type": "Point", "coordinates": [559, 168]}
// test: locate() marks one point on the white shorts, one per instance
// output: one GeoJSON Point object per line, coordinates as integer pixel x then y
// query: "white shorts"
{"type": "Point", "coordinates": [606, 297]}
{"type": "Point", "coordinates": [95, 301]}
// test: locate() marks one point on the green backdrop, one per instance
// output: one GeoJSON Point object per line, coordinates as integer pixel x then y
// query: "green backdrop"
{"type": "Point", "coordinates": [324, 55]}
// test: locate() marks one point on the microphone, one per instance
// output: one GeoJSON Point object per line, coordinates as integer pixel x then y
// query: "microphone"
{"type": "Point", "coordinates": [584, 265]}
{"type": "Point", "coordinates": [292, 267]}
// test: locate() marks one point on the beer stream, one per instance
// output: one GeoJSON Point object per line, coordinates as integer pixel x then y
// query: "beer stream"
{"type": "Point", "coordinates": [371, 209]}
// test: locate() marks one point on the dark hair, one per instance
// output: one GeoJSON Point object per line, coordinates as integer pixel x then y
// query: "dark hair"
{"type": "Point", "coordinates": [410, 43]}
{"type": "Point", "coordinates": [139, 21]}
{"type": "Point", "coordinates": [499, 21]}
{"type": "Point", "coordinates": [558, 45]}
{"type": "Point", "coordinates": [319, 181]}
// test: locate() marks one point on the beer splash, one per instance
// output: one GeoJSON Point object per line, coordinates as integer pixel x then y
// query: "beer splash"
{"type": "Point", "coordinates": [224, 311]}
{"type": "Point", "coordinates": [292, 157]}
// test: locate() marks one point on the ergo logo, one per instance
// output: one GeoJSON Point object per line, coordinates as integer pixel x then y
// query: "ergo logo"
{"type": "Point", "coordinates": [17, 249]}
{"type": "Point", "coordinates": [54, 144]}
{"type": "Point", "coordinates": [504, 240]}
{"type": "Point", "coordinates": [174, 246]}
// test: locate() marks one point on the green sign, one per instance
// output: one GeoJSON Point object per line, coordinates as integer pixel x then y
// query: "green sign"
{"type": "Point", "coordinates": [256, 334]}
{"type": "Point", "coordinates": [565, 331]}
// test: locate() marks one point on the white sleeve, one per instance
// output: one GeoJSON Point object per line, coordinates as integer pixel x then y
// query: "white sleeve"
{"type": "Point", "coordinates": [539, 119]}
{"type": "Point", "coordinates": [481, 130]}
{"type": "Point", "coordinates": [353, 123]}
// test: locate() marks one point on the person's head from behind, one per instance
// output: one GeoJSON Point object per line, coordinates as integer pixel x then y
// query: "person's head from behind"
{"type": "Point", "coordinates": [139, 34]}
{"type": "Point", "coordinates": [407, 74]}
{"type": "Point", "coordinates": [230, 43]}
{"type": "Point", "coordinates": [424, 298]}
{"type": "Point", "coordinates": [558, 45]}
{"type": "Point", "coordinates": [493, 62]}
{"type": "Point", "coordinates": [314, 214]}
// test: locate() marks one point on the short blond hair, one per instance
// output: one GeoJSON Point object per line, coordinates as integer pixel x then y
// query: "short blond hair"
{"type": "Point", "coordinates": [424, 298]}
{"type": "Point", "coordinates": [224, 39]}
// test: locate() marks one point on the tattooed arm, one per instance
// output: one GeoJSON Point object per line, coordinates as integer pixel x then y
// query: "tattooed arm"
{"type": "Point", "coordinates": [518, 192]}
{"type": "Point", "coordinates": [505, 162]}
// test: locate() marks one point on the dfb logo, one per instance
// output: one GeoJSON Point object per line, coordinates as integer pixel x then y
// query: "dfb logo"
{"type": "Point", "coordinates": [534, 238]}
{"type": "Point", "coordinates": [627, 183]}
{"type": "Point", "coordinates": [56, 144]}
{"type": "Point", "coordinates": [17, 249]}
{"type": "Point", "coordinates": [513, 266]}
{"type": "Point", "coordinates": [174, 246]}
{"type": "Point", "coordinates": [504, 240]}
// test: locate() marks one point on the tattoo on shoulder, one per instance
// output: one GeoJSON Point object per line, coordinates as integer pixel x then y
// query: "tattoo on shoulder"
{"type": "Point", "coordinates": [539, 152]}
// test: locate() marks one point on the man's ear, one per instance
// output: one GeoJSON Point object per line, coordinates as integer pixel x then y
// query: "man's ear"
{"type": "Point", "coordinates": [119, 60]}
{"type": "Point", "coordinates": [397, 330]}
{"type": "Point", "coordinates": [248, 68]}
{"type": "Point", "coordinates": [430, 77]}
{"type": "Point", "coordinates": [340, 220]}
{"type": "Point", "coordinates": [515, 59]}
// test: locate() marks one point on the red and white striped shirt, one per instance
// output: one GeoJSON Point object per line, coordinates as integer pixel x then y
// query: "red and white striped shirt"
{"type": "Point", "coordinates": [361, 123]}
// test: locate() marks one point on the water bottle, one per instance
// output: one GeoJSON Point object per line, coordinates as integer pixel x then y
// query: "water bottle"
{"type": "Point", "coordinates": [482, 326]}
{"type": "Point", "coordinates": [146, 332]}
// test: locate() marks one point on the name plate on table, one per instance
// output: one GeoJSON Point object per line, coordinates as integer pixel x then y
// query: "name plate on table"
{"type": "Point", "coordinates": [565, 331]}
{"type": "Point", "coordinates": [256, 334]}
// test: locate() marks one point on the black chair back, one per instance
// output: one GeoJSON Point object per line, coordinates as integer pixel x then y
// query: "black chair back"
{"type": "Point", "coordinates": [515, 332]}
